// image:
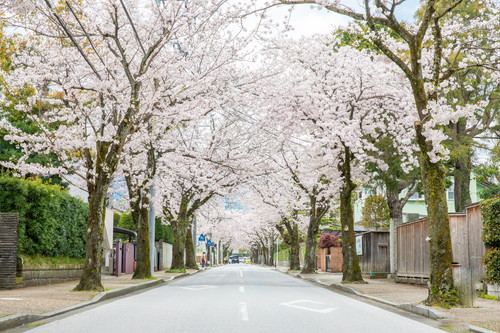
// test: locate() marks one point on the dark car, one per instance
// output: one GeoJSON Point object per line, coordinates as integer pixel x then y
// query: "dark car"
{"type": "Point", "coordinates": [234, 259]}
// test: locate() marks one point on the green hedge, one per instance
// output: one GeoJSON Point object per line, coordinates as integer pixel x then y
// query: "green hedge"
{"type": "Point", "coordinates": [491, 260]}
{"type": "Point", "coordinates": [490, 209]}
{"type": "Point", "coordinates": [162, 231]}
{"type": "Point", "coordinates": [51, 222]}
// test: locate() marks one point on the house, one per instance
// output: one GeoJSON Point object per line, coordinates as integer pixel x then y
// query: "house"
{"type": "Point", "coordinates": [415, 208]}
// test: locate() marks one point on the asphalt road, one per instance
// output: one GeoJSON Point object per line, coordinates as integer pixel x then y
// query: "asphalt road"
{"type": "Point", "coordinates": [236, 298]}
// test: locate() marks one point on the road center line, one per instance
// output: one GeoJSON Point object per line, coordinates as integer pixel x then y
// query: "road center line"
{"type": "Point", "coordinates": [242, 289]}
{"type": "Point", "coordinates": [243, 311]}
{"type": "Point", "coordinates": [241, 272]}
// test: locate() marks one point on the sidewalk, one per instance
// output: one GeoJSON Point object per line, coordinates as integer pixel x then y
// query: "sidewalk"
{"type": "Point", "coordinates": [25, 305]}
{"type": "Point", "coordinates": [484, 316]}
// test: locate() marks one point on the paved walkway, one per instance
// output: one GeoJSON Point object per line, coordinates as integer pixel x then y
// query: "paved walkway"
{"type": "Point", "coordinates": [484, 314]}
{"type": "Point", "coordinates": [48, 298]}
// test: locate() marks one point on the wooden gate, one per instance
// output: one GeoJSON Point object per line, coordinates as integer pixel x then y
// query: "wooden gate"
{"type": "Point", "coordinates": [8, 249]}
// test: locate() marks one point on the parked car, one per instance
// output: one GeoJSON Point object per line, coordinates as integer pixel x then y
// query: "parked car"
{"type": "Point", "coordinates": [248, 261]}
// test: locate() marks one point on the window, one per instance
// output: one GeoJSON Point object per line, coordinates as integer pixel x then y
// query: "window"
{"type": "Point", "coordinates": [451, 192]}
{"type": "Point", "coordinates": [417, 196]}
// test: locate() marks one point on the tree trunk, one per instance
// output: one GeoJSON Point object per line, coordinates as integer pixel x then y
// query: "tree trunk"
{"type": "Point", "coordinates": [271, 251]}
{"type": "Point", "coordinates": [461, 177]}
{"type": "Point", "coordinates": [351, 272]}
{"type": "Point", "coordinates": [178, 246]}
{"type": "Point", "coordinates": [294, 248]}
{"type": "Point", "coordinates": [441, 289]}
{"type": "Point", "coordinates": [143, 268]}
{"type": "Point", "coordinates": [140, 214]}
{"type": "Point", "coordinates": [312, 231]}
{"type": "Point", "coordinates": [293, 241]}
{"type": "Point", "coordinates": [190, 260]}
{"type": "Point", "coordinates": [396, 215]}
{"type": "Point", "coordinates": [91, 277]}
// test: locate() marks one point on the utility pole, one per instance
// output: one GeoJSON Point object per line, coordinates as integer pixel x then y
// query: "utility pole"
{"type": "Point", "coordinates": [195, 239]}
{"type": "Point", "coordinates": [152, 249]}
{"type": "Point", "coordinates": [277, 250]}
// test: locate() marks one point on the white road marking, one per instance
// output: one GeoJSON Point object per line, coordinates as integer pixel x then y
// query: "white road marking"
{"type": "Point", "coordinates": [242, 289]}
{"type": "Point", "coordinates": [293, 304]}
{"type": "Point", "coordinates": [241, 272]}
{"type": "Point", "coordinates": [198, 287]}
{"type": "Point", "coordinates": [11, 299]}
{"type": "Point", "coordinates": [243, 311]}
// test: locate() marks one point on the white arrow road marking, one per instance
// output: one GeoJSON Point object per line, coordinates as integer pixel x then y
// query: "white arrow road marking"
{"type": "Point", "coordinates": [242, 289]}
{"type": "Point", "coordinates": [243, 311]}
{"type": "Point", "coordinates": [11, 299]}
{"type": "Point", "coordinates": [198, 287]}
{"type": "Point", "coordinates": [293, 304]}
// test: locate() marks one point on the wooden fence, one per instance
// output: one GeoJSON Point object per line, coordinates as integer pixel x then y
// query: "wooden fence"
{"type": "Point", "coordinates": [8, 249]}
{"type": "Point", "coordinates": [467, 246]}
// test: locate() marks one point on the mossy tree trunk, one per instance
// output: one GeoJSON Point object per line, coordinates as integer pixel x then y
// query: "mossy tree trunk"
{"type": "Point", "coordinates": [461, 177]}
{"type": "Point", "coordinates": [140, 216]}
{"type": "Point", "coordinates": [291, 237]}
{"type": "Point", "coordinates": [351, 272]}
{"type": "Point", "coordinates": [143, 268]}
{"type": "Point", "coordinates": [441, 288]}
{"type": "Point", "coordinates": [317, 210]}
{"type": "Point", "coordinates": [190, 260]}
{"type": "Point", "coordinates": [179, 228]}
{"type": "Point", "coordinates": [396, 215]}
{"type": "Point", "coordinates": [97, 186]}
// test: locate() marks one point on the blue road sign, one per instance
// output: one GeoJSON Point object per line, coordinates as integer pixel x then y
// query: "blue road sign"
{"type": "Point", "coordinates": [209, 243]}
{"type": "Point", "coordinates": [202, 238]}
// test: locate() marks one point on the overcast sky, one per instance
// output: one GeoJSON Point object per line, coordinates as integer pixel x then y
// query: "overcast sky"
{"type": "Point", "coordinates": [308, 21]}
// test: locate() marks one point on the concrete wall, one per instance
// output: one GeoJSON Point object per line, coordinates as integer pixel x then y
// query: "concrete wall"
{"type": "Point", "coordinates": [165, 250]}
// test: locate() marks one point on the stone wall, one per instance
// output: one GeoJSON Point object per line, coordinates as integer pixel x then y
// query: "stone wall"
{"type": "Point", "coordinates": [40, 274]}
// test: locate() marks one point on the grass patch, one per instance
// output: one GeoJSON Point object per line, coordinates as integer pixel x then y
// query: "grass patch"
{"type": "Point", "coordinates": [36, 324]}
{"type": "Point", "coordinates": [40, 260]}
{"type": "Point", "coordinates": [486, 296]}
{"type": "Point", "coordinates": [176, 271]}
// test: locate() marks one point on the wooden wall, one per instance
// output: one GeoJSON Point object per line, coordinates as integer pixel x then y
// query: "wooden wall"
{"type": "Point", "coordinates": [467, 246]}
{"type": "Point", "coordinates": [375, 259]}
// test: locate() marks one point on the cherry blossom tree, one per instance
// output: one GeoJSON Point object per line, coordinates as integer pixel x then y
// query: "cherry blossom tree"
{"type": "Point", "coordinates": [106, 69]}
{"type": "Point", "coordinates": [209, 158]}
{"type": "Point", "coordinates": [346, 100]}
{"type": "Point", "coordinates": [430, 56]}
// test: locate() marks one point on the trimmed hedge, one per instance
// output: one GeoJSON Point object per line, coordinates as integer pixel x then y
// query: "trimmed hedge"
{"type": "Point", "coordinates": [51, 222]}
{"type": "Point", "coordinates": [490, 210]}
{"type": "Point", "coordinates": [162, 231]}
{"type": "Point", "coordinates": [491, 260]}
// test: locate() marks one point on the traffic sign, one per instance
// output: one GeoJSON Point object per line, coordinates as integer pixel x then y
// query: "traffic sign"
{"type": "Point", "coordinates": [209, 243]}
{"type": "Point", "coordinates": [202, 238]}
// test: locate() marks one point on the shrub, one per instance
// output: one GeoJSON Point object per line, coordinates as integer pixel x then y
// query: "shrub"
{"type": "Point", "coordinates": [376, 213]}
{"type": "Point", "coordinates": [490, 210]}
{"type": "Point", "coordinates": [327, 241]}
{"type": "Point", "coordinates": [51, 222]}
{"type": "Point", "coordinates": [162, 231]}
{"type": "Point", "coordinates": [491, 260]}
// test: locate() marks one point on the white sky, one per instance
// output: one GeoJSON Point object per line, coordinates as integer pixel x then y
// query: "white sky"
{"type": "Point", "coordinates": [308, 20]}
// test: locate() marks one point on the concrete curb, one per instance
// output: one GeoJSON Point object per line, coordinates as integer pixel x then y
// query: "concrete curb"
{"type": "Point", "coordinates": [13, 321]}
{"type": "Point", "coordinates": [422, 310]}
{"type": "Point", "coordinates": [476, 329]}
